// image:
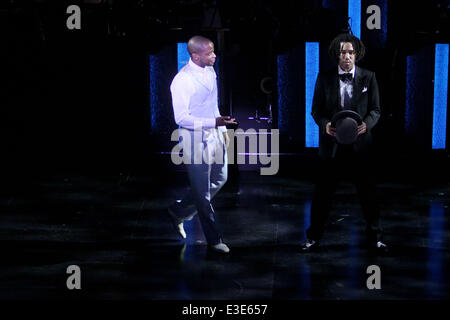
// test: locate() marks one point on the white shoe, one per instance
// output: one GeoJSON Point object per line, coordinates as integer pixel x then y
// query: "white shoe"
{"type": "Point", "coordinates": [220, 247]}
{"type": "Point", "coordinates": [177, 223]}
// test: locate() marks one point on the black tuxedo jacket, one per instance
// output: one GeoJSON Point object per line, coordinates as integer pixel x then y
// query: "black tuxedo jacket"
{"type": "Point", "coordinates": [326, 102]}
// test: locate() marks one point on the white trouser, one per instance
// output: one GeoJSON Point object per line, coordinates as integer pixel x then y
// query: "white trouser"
{"type": "Point", "coordinates": [207, 167]}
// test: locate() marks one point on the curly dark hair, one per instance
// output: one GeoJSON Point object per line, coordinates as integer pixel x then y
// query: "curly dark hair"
{"type": "Point", "coordinates": [334, 50]}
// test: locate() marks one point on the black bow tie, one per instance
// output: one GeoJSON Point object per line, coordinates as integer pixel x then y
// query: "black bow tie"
{"type": "Point", "coordinates": [346, 77]}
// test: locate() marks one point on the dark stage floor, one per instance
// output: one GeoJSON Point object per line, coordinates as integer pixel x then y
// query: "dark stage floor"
{"type": "Point", "coordinates": [115, 228]}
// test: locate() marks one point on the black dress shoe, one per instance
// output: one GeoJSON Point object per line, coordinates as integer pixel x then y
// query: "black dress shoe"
{"type": "Point", "coordinates": [309, 245]}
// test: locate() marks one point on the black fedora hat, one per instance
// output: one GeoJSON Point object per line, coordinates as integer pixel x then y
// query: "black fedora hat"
{"type": "Point", "coordinates": [346, 123]}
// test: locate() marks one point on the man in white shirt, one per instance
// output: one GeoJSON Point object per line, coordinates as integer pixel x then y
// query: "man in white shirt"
{"type": "Point", "coordinates": [204, 140]}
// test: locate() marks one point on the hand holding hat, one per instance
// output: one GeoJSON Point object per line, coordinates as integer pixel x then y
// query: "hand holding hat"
{"type": "Point", "coordinates": [349, 126]}
{"type": "Point", "coordinates": [362, 128]}
{"type": "Point", "coordinates": [330, 130]}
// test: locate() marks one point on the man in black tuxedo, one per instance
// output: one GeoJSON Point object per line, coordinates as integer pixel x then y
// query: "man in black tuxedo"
{"type": "Point", "coordinates": [353, 88]}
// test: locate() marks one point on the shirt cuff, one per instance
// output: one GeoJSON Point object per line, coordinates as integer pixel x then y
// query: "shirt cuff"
{"type": "Point", "coordinates": [222, 129]}
{"type": "Point", "coordinates": [209, 123]}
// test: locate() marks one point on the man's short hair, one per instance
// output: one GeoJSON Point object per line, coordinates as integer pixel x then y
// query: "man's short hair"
{"type": "Point", "coordinates": [197, 42]}
{"type": "Point", "coordinates": [334, 50]}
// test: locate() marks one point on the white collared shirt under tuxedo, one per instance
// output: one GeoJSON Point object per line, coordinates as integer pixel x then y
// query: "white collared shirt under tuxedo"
{"type": "Point", "coordinates": [346, 86]}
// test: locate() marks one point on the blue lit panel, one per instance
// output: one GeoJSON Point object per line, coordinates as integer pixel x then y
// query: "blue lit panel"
{"type": "Point", "coordinates": [440, 95]}
{"type": "Point", "coordinates": [384, 14]}
{"type": "Point", "coordinates": [311, 72]}
{"type": "Point", "coordinates": [412, 84]}
{"type": "Point", "coordinates": [154, 98]}
{"type": "Point", "coordinates": [282, 81]}
{"type": "Point", "coordinates": [354, 12]}
{"type": "Point", "coordinates": [182, 55]}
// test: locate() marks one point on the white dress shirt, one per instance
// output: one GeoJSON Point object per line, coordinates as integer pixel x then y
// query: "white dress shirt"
{"type": "Point", "coordinates": [194, 97]}
{"type": "Point", "coordinates": [346, 86]}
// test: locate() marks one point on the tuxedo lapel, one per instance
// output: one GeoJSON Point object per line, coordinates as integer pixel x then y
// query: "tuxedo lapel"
{"type": "Point", "coordinates": [335, 92]}
{"type": "Point", "coordinates": [357, 87]}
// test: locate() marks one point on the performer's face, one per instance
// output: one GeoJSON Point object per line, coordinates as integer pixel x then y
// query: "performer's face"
{"type": "Point", "coordinates": [347, 56]}
{"type": "Point", "coordinates": [206, 56]}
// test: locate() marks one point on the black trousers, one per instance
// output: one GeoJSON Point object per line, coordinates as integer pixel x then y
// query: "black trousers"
{"type": "Point", "coordinates": [357, 167]}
